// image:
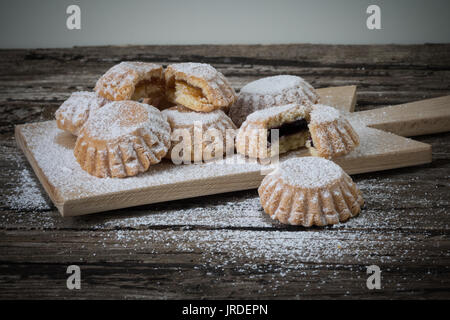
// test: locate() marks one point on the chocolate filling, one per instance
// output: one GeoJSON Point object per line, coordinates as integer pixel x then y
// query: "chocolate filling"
{"type": "Point", "coordinates": [289, 128]}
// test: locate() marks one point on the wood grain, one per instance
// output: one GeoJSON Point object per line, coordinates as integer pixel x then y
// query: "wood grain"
{"type": "Point", "coordinates": [410, 119]}
{"type": "Point", "coordinates": [223, 246]}
{"type": "Point", "coordinates": [386, 151]}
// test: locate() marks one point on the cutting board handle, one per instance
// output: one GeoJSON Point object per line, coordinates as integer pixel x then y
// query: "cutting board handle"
{"type": "Point", "coordinates": [409, 119]}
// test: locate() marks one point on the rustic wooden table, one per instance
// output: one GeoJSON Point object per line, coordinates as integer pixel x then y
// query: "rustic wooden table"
{"type": "Point", "coordinates": [223, 246]}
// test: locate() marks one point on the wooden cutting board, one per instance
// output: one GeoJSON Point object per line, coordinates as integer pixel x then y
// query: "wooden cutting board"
{"type": "Point", "coordinates": [74, 192]}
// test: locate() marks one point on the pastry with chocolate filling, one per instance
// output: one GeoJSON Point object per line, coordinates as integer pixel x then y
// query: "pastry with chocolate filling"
{"type": "Point", "coordinates": [256, 135]}
{"type": "Point", "coordinates": [310, 191]}
{"type": "Point", "coordinates": [270, 92]}
{"type": "Point", "coordinates": [121, 139]}
{"type": "Point", "coordinates": [139, 81]}
{"type": "Point", "coordinates": [199, 136]}
{"type": "Point", "coordinates": [198, 86]}
{"type": "Point", "coordinates": [75, 111]}
{"type": "Point", "coordinates": [322, 129]}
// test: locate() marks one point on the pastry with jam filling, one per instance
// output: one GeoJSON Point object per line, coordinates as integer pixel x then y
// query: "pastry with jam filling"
{"type": "Point", "coordinates": [138, 81]}
{"type": "Point", "coordinates": [198, 86]}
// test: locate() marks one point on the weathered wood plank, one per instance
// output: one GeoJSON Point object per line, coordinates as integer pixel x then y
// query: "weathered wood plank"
{"type": "Point", "coordinates": [207, 247]}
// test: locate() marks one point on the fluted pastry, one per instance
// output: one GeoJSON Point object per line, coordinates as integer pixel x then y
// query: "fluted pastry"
{"type": "Point", "coordinates": [310, 191]}
{"type": "Point", "coordinates": [204, 135]}
{"type": "Point", "coordinates": [133, 81]}
{"type": "Point", "coordinates": [269, 92]}
{"type": "Point", "coordinates": [75, 111]}
{"type": "Point", "coordinates": [198, 86]}
{"type": "Point", "coordinates": [123, 138]}
{"type": "Point", "coordinates": [322, 129]}
{"type": "Point", "coordinates": [332, 135]}
{"type": "Point", "coordinates": [255, 137]}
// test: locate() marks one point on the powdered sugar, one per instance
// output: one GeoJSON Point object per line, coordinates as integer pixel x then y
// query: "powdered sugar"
{"type": "Point", "coordinates": [188, 117]}
{"type": "Point", "coordinates": [118, 82]}
{"type": "Point", "coordinates": [309, 172]}
{"type": "Point", "coordinates": [27, 195]}
{"type": "Point", "coordinates": [199, 70]}
{"type": "Point", "coordinates": [75, 111]}
{"type": "Point", "coordinates": [273, 85]}
{"type": "Point", "coordinates": [53, 151]}
{"type": "Point", "coordinates": [264, 114]}
{"type": "Point", "coordinates": [120, 118]}
{"type": "Point", "coordinates": [323, 114]}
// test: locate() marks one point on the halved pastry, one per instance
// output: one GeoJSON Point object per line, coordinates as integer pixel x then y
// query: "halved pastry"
{"type": "Point", "coordinates": [199, 136]}
{"type": "Point", "coordinates": [123, 138]}
{"type": "Point", "coordinates": [257, 134]}
{"type": "Point", "coordinates": [310, 191]}
{"type": "Point", "coordinates": [75, 111]}
{"type": "Point", "coordinates": [320, 128]}
{"type": "Point", "coordinates": [270, 92]}
{"type": "Point", "coordinates": [198, 86]}
{"type": "Point", "coordinates": [133, 81]}
{"type": "Point", "coordinates": [331, 134]}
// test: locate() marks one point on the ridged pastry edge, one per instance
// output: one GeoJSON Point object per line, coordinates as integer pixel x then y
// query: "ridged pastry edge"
{"type": "Point", "coordinates": [124, 157]}
{"type": "Point", "coordinates": [221, 125]}
{"type": "Point", "coordinates": [333, 139]}
{"type": "Point", "coordinates": [331, 204]}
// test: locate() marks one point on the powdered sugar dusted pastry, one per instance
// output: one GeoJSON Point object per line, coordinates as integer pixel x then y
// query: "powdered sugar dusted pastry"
{"type": "Point", "coordinates": [321, 128]}
{"type": "Point", "coordinates": [269, 92]}
{"type": "Point", "coordinates": [133, 81]}
{"type": "Point", "coordinates": [254, 137]}
{"type": "Point", "coordinates": [310, 191]}
{"type": "Point", "coordinates": [123, 138]}
{"type": "Point", "coordinates": [199, 136]}
{"type": "Point", "coordinates": [74, 112]}
{"type": "Point", "coordinates": [332, 135]}
{"type": "Point", "coordinates": [198, 86]}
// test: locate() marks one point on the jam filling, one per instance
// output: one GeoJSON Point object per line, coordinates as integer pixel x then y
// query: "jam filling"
{"type": "Point", "coordinates": [289, 128]}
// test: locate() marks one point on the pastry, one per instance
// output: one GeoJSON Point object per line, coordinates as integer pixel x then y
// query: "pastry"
{"type": "Point", "coordinates": [320, 128]}
{"type": "Point", "coordinates": [310, 191]}
{"type": "Point", "coordinates": [133, 81]}
{"type": "Point", "coordinates": [198, 86]}
{"type": "Point", "coordinates": [255, 136]}
{"type": "Point", "coordinates": [74, 112]}
{"type": "Point", "coordinates": [269, 92]}
{"type": "Point", "coordinates": [123, 138]}
{"type": "Point", "coordinates": [213, 137]}
{"type": "Point", "coordinates": [331, 134]}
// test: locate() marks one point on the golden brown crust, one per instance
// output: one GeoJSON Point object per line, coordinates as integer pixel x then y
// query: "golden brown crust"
{"type": "Point", "coordinates": [122, 139]}
{"type": "Point", "coordinates": [123, 80]}
{"type": "Point", "coordinates": [198, 86]}
{"type": "Point", "coordinates": [184, 121]}
{"type": "Point", "coordinates": [251, 139]}
{"type": "Point", "coordinates": [75, 111]}
{"type": "Point", "coordinates": [335, 200]}
{"type": "Point", "coordinates": [269, 92]}
{"type": "Point", "coordinates": [332, 135]}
